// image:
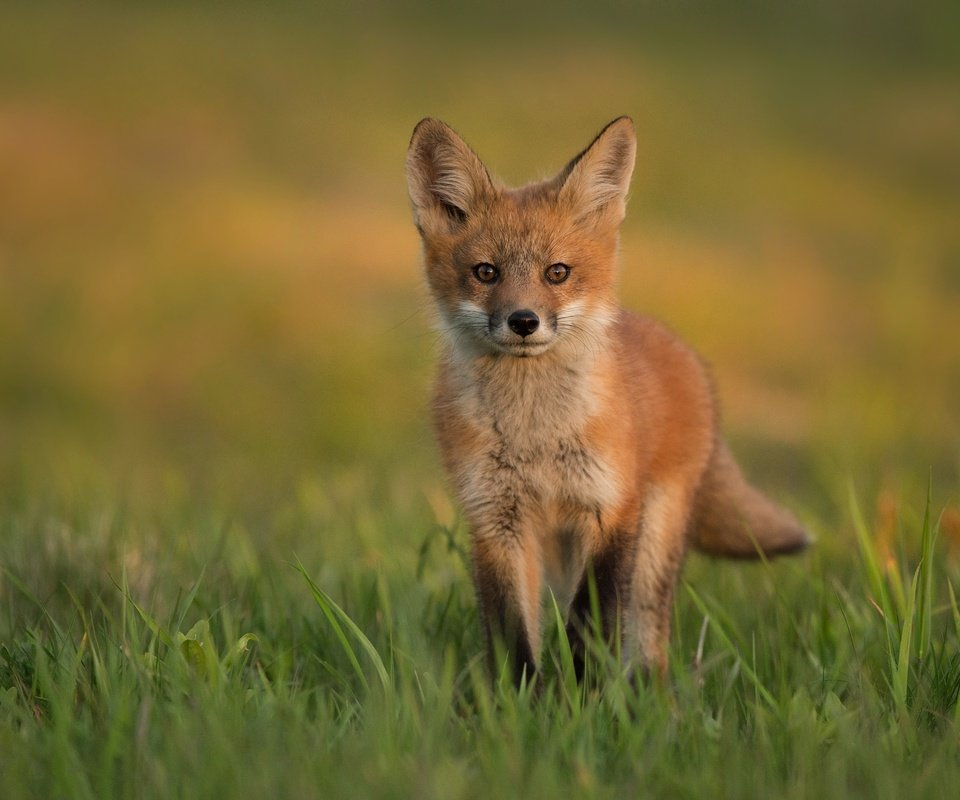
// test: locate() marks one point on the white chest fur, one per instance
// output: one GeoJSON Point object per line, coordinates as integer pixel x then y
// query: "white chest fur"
{"type": "Point", "coordinates": [537, 466]}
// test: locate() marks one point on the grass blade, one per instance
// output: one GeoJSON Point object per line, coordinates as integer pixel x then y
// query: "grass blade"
{"type": "Point", "coordinates": [869, 555]}
{"type": "Point", "coordinates": [752, 676]}
{"type": "Point", "coordinates": [339, 619]}
{"type": "Point", "coordinates": [568, 677]}
{"type": "Point", "coordinates": [900, 678]}
{"type": "Point", "coordinates": [925, 609]}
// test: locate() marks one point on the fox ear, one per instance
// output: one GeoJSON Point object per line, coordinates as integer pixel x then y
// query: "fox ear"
{"type": "Point", "coordinates": [445, 177]}
{"type": "Point", "coordinates": [595, 183]}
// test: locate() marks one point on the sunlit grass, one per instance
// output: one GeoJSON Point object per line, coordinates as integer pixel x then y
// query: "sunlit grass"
{"type": "Point", "coordinates": [808, 671]}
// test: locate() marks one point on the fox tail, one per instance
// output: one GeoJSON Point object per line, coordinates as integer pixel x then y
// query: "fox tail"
{"type": "Point", "coordinates": [733, 519]}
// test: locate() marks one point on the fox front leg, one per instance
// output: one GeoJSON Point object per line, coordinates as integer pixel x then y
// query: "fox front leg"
{"type": "Point", "coordinates": [604, 585]}
{"type": "Point", "coordinates": [506, 572]}
{"type": "Point", "coordinates": [661, 547]}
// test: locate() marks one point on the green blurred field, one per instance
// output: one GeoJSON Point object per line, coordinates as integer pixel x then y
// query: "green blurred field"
{"type": "Point", "coordinates": [215, 352]}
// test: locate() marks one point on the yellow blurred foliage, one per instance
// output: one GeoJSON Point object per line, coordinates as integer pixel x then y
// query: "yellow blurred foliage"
{"type": "Point", "coordinates": [205, 243]}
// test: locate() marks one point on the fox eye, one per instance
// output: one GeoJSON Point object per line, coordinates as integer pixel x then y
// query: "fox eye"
{"type": "Point", "coordinates": [486, 273]}
{"type": "Point", "coordinates": [557, 273]}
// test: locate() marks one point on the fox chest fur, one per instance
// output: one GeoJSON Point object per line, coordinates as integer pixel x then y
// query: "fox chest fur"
{"type": "Point", "coordinates": [516, 438]}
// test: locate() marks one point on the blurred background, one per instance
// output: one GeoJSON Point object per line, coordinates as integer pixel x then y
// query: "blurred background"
{"type": "Point", "coordinates": [209, 282]}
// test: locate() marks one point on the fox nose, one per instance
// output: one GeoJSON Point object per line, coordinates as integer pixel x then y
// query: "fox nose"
{"type": "Point", "coordinates": [523, 322]}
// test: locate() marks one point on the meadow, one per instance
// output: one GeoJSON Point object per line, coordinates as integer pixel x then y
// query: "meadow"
{"type": "Point", "coordinates": [229, 564]}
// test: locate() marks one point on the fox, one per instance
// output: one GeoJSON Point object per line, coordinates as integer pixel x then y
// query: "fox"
{"type": "Point", "coordinates": [581, 440]}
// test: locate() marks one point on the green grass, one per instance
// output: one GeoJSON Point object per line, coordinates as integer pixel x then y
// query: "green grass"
{"type": "Point", "coordinates": [234, 671]}
{"type": "Point", "coordinates": [229, 565]}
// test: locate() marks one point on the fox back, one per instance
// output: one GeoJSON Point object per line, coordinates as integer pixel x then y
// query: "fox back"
{"type": "Point", "coordinates": [581, 439]}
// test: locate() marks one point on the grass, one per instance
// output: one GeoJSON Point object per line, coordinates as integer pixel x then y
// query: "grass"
{"type": "Point", "coordinates": [243, 674]}
{"type": "Point", "coordinates": [228, 562]}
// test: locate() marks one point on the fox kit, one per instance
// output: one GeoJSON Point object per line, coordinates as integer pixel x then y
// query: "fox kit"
{"type": "Point", "coordinates": [581, 439]}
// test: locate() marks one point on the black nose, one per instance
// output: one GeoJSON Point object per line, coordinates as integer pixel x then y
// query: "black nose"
{"type": "Point", "coordinates": [523, 322]}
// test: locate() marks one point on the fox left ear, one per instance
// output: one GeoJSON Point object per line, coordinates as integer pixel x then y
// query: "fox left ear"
{"type": "Point", "coordinates": [595, 183]}
{"type": "Point", "coordinates": [446, 179]}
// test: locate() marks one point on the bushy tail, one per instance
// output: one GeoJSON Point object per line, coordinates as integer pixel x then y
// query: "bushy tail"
{"type": "Point", "coordinates": [731, 518]}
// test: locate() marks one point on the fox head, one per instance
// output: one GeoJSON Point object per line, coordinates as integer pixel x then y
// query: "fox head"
{"type": "Point", "coordinates": [520, 272]}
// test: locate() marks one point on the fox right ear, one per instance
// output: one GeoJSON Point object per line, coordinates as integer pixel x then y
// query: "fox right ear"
{"type": "Point", "coordinates": [445, 177]}
{"type": "Point", "coordinates": [596, 182]}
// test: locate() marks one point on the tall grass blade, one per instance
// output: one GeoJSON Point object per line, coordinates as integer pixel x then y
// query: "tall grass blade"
{"type": "Point", "coordinates": [900, 678]}
{"type": "Point", "coordinates": [955, 609]}
{"type": "Point", "coordinates": [188, 601]}
{"type": "Point", "coordinates": [752, 676]}
{"type": "Point", "coordinates": [155, 627]}
{"type": "Point", "coordinates": [568, 677]}
{"type": "Point", "coordinates": [924, 621]}
{"type": "Point", "coordinates": [875, 581]}
{"type": "Point", "coordinates": [869, 555]}
{"type": "Point", "coordinates": [338, 619]}
{"type": "Point", "coordinates": [955, 612]}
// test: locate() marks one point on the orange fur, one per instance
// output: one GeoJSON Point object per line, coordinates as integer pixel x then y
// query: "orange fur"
{"type": "Point", "coordinates": [581, 439]}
